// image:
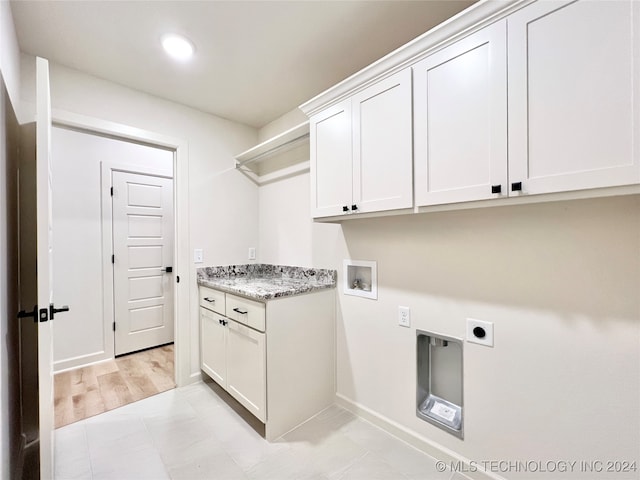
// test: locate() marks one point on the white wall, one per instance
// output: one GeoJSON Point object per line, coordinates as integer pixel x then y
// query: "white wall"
{"type": "Point", "coordinates": [223, 202]}
{"type": "Point", "coordinates": [81, 337]}
{"type": "Point", "coordinates": [561, 283]}
{"type": "Point", "coordinates": [9, 54]}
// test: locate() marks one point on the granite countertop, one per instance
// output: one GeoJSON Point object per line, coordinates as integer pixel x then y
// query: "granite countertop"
{"type": "Point", "coordinates": [265, 282]}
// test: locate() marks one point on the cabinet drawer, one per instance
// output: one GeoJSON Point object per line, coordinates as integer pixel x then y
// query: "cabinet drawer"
{"type": "Point", "coordinates": [246, 311]}
{"type": "Point", "coordinates": [212, 299]}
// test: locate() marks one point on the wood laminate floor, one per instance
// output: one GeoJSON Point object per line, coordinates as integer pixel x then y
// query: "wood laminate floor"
{"type": "Point", "coordinates": [95, 389]}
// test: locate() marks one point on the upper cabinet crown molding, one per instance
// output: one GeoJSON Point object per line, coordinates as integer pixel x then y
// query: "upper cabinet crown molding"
{"type": "Point", "coordinates": [477, 16]}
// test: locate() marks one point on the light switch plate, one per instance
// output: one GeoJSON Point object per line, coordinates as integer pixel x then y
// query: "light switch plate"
{"type": "Point", "coordinates": [252, 253]}
{"type": "Point", "coordinates": [198, 256]}
{"type": "Point", "coordinates": [480, 332]}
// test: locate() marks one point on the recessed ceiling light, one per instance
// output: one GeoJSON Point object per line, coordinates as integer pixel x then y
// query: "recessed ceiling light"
{"type": "Point", "coordinates": [177, 46]}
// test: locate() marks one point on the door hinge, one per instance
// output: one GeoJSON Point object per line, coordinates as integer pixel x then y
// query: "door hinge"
{"type": "Point", "coordinates": [113, 259]}
{"type": "Point", "coordinates": [112, 191]}
{"type": "Point", "coordinates": [114, 326]}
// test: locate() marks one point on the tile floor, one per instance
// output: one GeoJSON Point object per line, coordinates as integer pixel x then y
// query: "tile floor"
{"type": "Point", "coordinates": [191, 433]}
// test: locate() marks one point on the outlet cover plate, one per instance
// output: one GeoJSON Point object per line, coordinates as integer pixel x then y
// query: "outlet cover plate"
{"type": "Point", "coordinates": [404, 316]}
{"type": "Point", "coordinates": [480, 332]}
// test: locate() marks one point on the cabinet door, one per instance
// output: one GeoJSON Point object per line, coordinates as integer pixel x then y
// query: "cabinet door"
{"type": "Point", "coordinates": [460, 111]}
{"type": "Point", "coordinates": [382, 148]}
{"type": "Point", "coordinates": [213, 344]}
{"type": "Point", "coordinates": [574, 95]}
{"type": "Point", "coordinates": [246, 374]}
{"type": "Point", "coordinates": [331, 160]}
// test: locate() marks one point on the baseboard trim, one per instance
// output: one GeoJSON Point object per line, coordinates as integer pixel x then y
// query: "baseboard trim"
{"type": "Point", "coordinates": [417, 441]}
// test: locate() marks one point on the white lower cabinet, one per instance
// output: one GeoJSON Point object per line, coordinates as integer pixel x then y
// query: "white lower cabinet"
{"type": "Point", "coordinates": [234, 356]}
{"type": "Point", "coordinates": [282, 375]}
{"type": "Point", "coordinates": [246, 372]}
{"type": "Point", "coordinates": [214, 335]}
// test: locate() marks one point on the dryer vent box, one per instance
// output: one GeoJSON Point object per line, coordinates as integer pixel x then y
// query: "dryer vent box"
{"type": "Point", "coordinates": [439, 382]}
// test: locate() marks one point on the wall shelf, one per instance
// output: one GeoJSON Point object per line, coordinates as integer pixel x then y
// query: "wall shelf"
{"type": "Point", "coordinates": [281, 143]}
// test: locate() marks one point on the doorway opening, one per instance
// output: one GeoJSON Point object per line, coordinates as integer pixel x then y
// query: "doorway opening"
{"type": "Point", "coordinates": [126, 304]}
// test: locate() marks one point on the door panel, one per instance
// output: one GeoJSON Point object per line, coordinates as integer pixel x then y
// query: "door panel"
{"type": "Point", "coordinates": [213, 346]}
{"type": "Point", "coordinates": [246, 368]}
{"type": "Point", "coordinates": [460, 96]}
{"type": "Point", "coordinates": [331, 160]}
{"type": "Point", "coordinates": [573, 95]}
{"type": "Point", "coordinates": [382, 145]}
{"type": "Point", "coordinates": [143, 246]}
{"type": "Point", "coordinates": [44, 260]}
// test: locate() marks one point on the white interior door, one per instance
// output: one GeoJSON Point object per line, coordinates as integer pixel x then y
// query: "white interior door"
{"type": "Point", "coordinates": [44, 257]}
{"type": "Point", "coordinates": [143, 252]}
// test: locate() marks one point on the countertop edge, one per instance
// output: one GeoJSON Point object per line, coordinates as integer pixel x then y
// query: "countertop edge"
{"type": "Point", "coordinates": [263, 297]}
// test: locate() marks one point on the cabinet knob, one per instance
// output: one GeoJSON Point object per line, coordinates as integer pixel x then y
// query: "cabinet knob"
{"type": "Point", "coordinates": [345, 208]}
{"type": "Point", "coordinates": [516, 186]}
{"type": "Point", "coordinates": [496, 188]}
{"type": "Point", "coordinates": [354, 207]}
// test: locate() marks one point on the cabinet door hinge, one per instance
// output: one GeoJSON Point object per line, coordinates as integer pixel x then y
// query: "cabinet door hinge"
{"type": "Point", "coordinates": [112, 191]}
{"type": "Point", "coordinates": [113, 259]}
{"type": "Point", "coordinates": [114, 326]}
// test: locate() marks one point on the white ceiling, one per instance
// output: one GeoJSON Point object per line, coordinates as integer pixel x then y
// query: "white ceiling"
{"type": "Point", "coordinates": [255, 60]}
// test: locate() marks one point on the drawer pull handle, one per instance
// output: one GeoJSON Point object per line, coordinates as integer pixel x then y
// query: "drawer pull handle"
{"type": "Point", "coordinates": [240, 311]}
{"type": "Point", "coordinates": [210, 300]}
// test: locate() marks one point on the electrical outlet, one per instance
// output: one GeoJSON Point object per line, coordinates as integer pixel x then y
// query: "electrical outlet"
{"type": "Point", "coordinates": [198, 256]}
{"type": "Point", "coordinates": [404, 316]}
{"type": "Point", "coordinates": [480, 332]}
{"type": "Point", "coordinates": [252, 253]}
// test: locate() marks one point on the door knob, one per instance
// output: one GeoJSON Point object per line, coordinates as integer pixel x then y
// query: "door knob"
{"type": "Point", "coordinates": [32, 314]}
{"type": "Point", "coordinates": [53, 310]}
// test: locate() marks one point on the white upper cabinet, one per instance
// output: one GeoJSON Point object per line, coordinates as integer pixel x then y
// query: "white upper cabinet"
{"type": "Point", "coordinates": [331, 160]}
{"type": "Point", "coordinates": [460, 120]}
{"type": "Point", "coordinates": [361, 151]}
{"type": "Point", "coordinates": [574, 94]}
{"type": "Point", "coordinates": [509, 99]}
{"type": "Point", "coordinates": [382, 157]}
